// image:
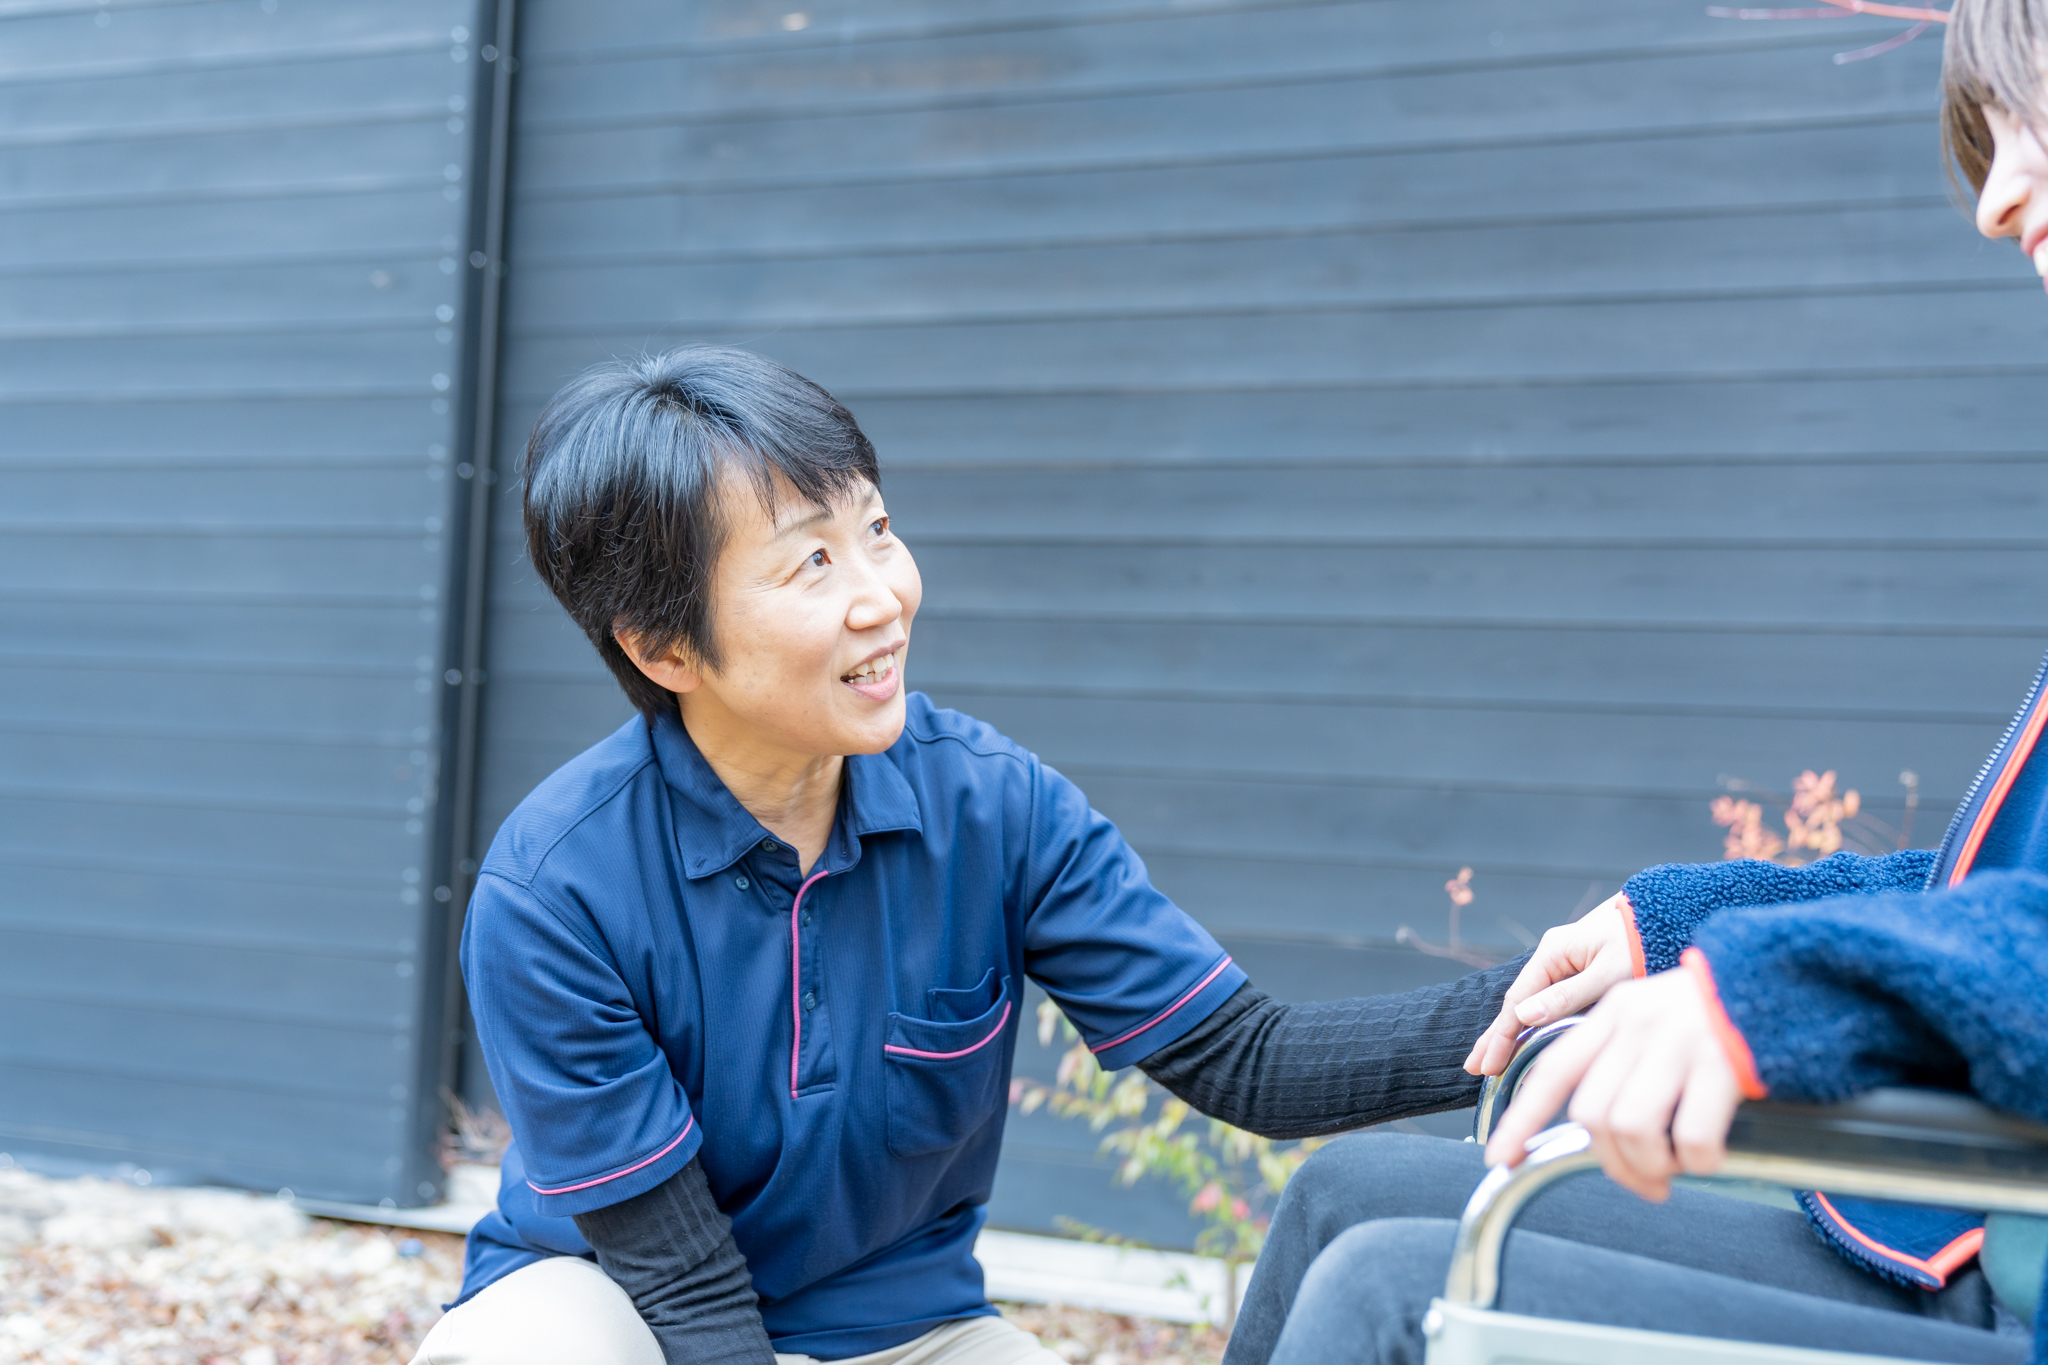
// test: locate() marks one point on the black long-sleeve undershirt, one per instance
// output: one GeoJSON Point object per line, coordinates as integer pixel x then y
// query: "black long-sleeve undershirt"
{"type": "Point", "coordinates": [671, 1250]}
{"type": "Point", "coordinates": [1282, 1071]}
{"type": "Point", "coordinates": [1293, 1071]}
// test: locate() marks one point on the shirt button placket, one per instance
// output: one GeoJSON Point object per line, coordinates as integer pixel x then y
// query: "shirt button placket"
{"type": "Point", "coordinates": [812, 1054]}
{"type": "Point", "coordinates": [808, 986]}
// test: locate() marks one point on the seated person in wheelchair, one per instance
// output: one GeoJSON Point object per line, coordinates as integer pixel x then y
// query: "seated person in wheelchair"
{"type": "Point", "coordinates": [1813, 983]}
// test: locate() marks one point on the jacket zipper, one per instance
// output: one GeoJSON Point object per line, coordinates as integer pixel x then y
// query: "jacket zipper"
{"type": "Point", "coordinates": [1957, 820]}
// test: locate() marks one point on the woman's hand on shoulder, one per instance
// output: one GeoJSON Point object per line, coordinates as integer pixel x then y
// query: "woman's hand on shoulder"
{"type": "Point", "coordinates": [1573, 966]}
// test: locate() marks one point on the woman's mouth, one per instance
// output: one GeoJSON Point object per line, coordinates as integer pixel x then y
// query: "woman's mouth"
{"type": "Point", "coordinates": [877, 679]}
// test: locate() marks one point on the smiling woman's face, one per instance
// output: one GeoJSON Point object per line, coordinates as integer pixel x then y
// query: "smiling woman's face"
{"type": "Point", "coordinates": [811, 610]}
{"type": "Point", "coordinates": [2014, 202]}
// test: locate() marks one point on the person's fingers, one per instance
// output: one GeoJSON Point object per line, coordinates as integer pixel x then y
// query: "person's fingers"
{"type": "Point", "coordinates": [1496, 1046]}
{"type": "Point", "coordinates": [1607, 1151]}
{"type": "Point", "coordinates": [1572, 967]}
{"type": "Point", "coordinates": [1497, 1050]}
{"type": "Point", "coordinates": [1603, 1081]}
{"type": "Point", "coordinates": [1566, 998]}
{"type": "Point", "coordinates": [1478, 1048]}
{"type": "Point", "coordinates": [1500, 1033]}
{"type": "Point", "coordinates": [1637, 1123]}
{"type": "Point", "coordinates": [1475, 1058]}
{"type": "Point", "coordinates": [1501, 1049]}
{"type": "Point", "coordinates": [1625, 1029]}
{"type": "Point", "coordinates": [1699, 1130]}
{"type": "Point", "coordinates": [1550, 961]}
{"type": "Point", "coordinates": [1600, 958]}
{"type": "Point", "coordinates": [1543, 1091]}
{"type": "Point", "coordinates": [1654, 1189]}
{"type": "Point", "coordinates": [1588, 1110]}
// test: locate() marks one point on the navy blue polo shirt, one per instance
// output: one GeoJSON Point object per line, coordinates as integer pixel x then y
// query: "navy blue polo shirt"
{"type": "Point", "coordinates": [654, 980]}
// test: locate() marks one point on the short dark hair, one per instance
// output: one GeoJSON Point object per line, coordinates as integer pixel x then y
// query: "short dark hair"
{"type": "Point", "coordinates": [1992, 54]}
{"type": "Point", "coordinates": [622, 482]}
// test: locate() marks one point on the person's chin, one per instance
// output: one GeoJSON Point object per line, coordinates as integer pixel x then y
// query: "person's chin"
{"type": "Point", "coordinates": [876, 731]}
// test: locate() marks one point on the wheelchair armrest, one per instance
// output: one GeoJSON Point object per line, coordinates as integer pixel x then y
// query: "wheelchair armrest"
{"type": "Point", "coordinates": [1498, 1092]}
{"type": "Point", "coordinates": [1910, 1146]}
{"type": "Point", "coordinates": [1892, 1140]}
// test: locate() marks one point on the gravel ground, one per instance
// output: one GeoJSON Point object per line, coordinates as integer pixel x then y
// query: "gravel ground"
{"type": "Point", "coordinates": [1087, 1337]}
{"type": "Point", "coordinates": [97, 1272]}
{"type": "Point", "coordinates": [102, 1273]}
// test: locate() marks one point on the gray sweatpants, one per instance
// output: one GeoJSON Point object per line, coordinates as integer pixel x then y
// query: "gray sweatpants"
{"type": "Point", "coordinates": [1362, 1238]}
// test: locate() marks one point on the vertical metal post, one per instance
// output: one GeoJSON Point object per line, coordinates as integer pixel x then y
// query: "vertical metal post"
{"type": "Point", "coordinates": [474, 492]}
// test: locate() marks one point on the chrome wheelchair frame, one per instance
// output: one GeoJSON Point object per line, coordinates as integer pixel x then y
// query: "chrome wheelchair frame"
{"type": "Point", "coordinates": [1910, 1146]}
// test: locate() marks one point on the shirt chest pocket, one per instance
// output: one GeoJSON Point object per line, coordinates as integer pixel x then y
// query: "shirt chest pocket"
{"type": "Point", "coordinates": [944, 1076]}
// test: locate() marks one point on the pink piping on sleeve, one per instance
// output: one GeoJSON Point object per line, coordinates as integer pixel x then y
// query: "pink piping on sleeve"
{"type": "Point", "coordinates": [796, 981]}
{"type": "Point", "coordinates": [1162, 1016]}
{"type": "Point", "coordinates": [948, 1056]}
{"type": "Point", "coordinates": [604, 1179]}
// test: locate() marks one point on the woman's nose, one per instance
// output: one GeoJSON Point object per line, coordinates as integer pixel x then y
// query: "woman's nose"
{"type": "Point", "coordinates": [2002, 207]}
{"type": "Point", "coordinates": [874, 602]}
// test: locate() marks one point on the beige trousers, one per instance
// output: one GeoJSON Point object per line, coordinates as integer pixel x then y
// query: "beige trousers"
{"type": "Point", "coordinates": [566, 1311]}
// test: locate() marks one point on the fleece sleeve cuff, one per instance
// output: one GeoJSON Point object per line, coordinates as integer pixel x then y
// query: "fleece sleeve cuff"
{"type": "Point", "coordinates": [1733, 1044]}
{"type": "Point", "coordinates": [1671, 901]}
{"type": "Point", "coordinates": [1638, 965]}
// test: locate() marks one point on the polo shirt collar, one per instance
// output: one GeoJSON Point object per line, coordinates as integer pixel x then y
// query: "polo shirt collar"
{"type": "Point", "coordinates": [875, 799]}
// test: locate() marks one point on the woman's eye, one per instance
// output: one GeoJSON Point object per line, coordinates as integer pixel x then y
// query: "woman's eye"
{"type": "Point", "coordinates": [879, 527]}
{"type": "Point", "coordinates": [817, 558]}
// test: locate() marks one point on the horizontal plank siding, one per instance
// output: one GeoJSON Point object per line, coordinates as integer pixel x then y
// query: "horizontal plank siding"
{"type": "Point", "coordinates": [230, 304]}
{"type": "Point", "coordinates": [1354, 440]}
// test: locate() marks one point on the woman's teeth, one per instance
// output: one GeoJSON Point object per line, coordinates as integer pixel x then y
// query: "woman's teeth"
{"type": "Point", "coordinates": [874, 670]}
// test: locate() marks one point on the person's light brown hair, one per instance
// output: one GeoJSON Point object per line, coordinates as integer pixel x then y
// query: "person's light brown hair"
{"type": "Point", "coordinates": [1992, 55]}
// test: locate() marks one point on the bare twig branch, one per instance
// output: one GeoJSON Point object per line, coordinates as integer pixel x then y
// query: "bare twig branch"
{"type": "Point", "coordinates": [1922, 16]}
{"type": "Point", "coordinates": [1879, 49]}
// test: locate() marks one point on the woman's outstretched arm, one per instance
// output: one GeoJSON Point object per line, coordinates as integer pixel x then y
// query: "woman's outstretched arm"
{"type": "Point", "coordinates": [1291, 1071]}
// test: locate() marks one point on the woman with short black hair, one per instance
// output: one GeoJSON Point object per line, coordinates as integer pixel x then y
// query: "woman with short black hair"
{"type": "Point", "coordinates": [747, 973]}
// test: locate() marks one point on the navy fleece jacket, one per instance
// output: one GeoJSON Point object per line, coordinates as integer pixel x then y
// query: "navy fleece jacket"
{"type": "Point", "coordinates": [1918, 968]}
{"type": "Point", "coordinates": [1945, 989]}
{"type": "Point", "coordinates": [1671, 902]}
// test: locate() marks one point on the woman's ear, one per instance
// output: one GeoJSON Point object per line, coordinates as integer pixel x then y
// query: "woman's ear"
{"type": "Point", "coordinates": [671, 668]}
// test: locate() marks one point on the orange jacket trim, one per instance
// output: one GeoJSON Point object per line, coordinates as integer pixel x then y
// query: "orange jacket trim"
{"type": "Point", "coordinates": [1941, 1264]}
{"type": "Point", "coordinates": [1638, 966]}
{"type": "Point", "coordinates": [2017, 760]}
{"type": "Point", "coordinates": [1731, 1039]}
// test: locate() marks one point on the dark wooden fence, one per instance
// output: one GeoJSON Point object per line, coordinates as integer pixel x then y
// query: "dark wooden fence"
{"type": "Point", "coordinates": [1353, 440]}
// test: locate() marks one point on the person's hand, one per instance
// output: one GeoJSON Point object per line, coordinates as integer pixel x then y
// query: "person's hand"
{"type": "Point", "coordinates": [1648, 1078]}
{"type": "Point", "coordinates": [1574, 965]}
